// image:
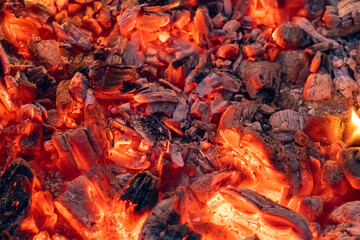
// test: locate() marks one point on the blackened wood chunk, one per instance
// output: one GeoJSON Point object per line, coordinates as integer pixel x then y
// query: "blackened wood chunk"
{"type": "Point", "coordinates": [340, 231]}
{"type": "Point", "coordinates": [193, 236]}
{"type": "Point", "coordinates": [142, 191]}
{"type": "Point", "coordinates": [46, 85]}
{"type": "Point", "coordinates": [15, 193]}
{"type": "Point", "coordinates": [78, 36]}
{"type": "Point", "coordinates": [294, 65]}
{"type": "Point", "coordinates": [333, 175]}
{"type": "Point", "coordinates": [175, 232]}
{"type": "Point", "coordinates": [64, 101]}
{"type": "Point", "coordinates": [210, 183]}
{"type": "Point", "coordinates": [289, 36]}
{"type": "Point", "coordinates": [154, 2]}
{"type": "Point", "coordinates": [347, 213]}
{"type": "Point", "coordinates": [47, 53]}
{"type": "Point", "coordinates": [104, 76]}
{"type": "Point", "coordinates": [179, 232]}
{"type": "Point", "coordinates": [260, 75]}
{"type": "Point", "coordinates": [162, 215]}
{"type": "Point", "coordinates": [5, 63]}
{"type": "Point", "coordinates": [314, 8]}
{"type": "Point", "coordinates": [286, 120]}
{"type": "Point", "coordinates": [81, 63]}
{"type": "Point", "coordinates": [150, 128]}
{"type": "Point", "coordinates": [350, 160]}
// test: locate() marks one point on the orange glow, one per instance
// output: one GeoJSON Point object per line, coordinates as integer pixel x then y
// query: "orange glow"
{"type": "Point", "coordinates": [164, 36]}
{"type": "Point", "coordinates": [264, 13]}
{"type": "Point", "coordinates": [352, 133]}
{"type": "Point", "coordinates": [29, 225]}
{"type": "Point", "coordinates": [42, 236]}
{"type": "Point", "coordinates": [248, 154]}
{"type": "Point", "coordinates": [128, 157]}
{"type": "Point", "coordinates": [21, 29]}
{"type": "Point", "coordinates": [173, 125]}
{"type": "Point", "coordinates": [112, 218]}
{"type": "Point", "coordinates": [242, 217]}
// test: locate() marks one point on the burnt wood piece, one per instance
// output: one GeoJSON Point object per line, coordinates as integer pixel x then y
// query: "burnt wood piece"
{"type": "Point", "coordinates": [47, 53]}
{"type": "Point", "coordinates": [15, 193]}
{"type": "Point", "coordinates": [77, 36]}
{"type": "Point", "coordinates": [289, 36]}
{"type": "Point", "coordinates": [326, 129]}
{"type": "Point", "coordinates": [348, 213]}
{"type": "Point", "coordinates": [150, 128]}
{"type": "Point", "coordinates": [310, 207]}
{"type": "Point", "coordinates": [260, 75]}
{"type": "Point", "coordinates": [78, 150]}
{"type": "Point", "coordinates": [162, 215]}
{"type": "Point", "coordinates": [350, 161]}
{"type": "Point", "coordinates": [314, 8]}
{"type": "Point", "coordinates": [271, 215]}
{"type": "Point", "coordinates": [294, 66]}
{"type": "Point", "coordinates": [286, 120]}
{"type": "Point", "coordinates": [82, 205]}
{"type": "Point", "coordinates": [64, 102]}
{"type": "Point", "coordinates": [340, 231]}
{"type": "Point", "coordinates": [318, 87]}
{"type": "Point", "coordinates": [333, 175]}
{"type": "Point", "coordinates": [105, 76]}
{"type": "Point", "coordinates": [301, 178]}
{"type": "Point", "coordinates": [346, 86]}
{"type": "Point", "coordinates": [78, 87]}
{"type": "Point", "coordinates": [81, 63]}
{"type": "Point", "coordinates": [30, 138]}
{"type": "Point", "coordinates": [179, 232]}
{"type": "Point", "coordinates": [201, 36]}
{"type": "Point", "coordinates": [210, 183]}
{"type": "Point", "coordinates": [315, 35]}
{"type": "Point", "coordinates": [46, 85]}
{"type": "Point", "coordinates": [262, 148]}
{"type": "Point", "coordinates": [163, 223]}
{"type": "Point", "coordinates": [142, 191]}
{"type": "Point", "coordinates": [347, 18]}
{"type": "Point", "coordinates": [5, 63]}
{"type": "Point", "coordinates": [164, 95]}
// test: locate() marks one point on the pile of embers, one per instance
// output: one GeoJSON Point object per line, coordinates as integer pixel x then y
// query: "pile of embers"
{"type": "Point", "coordinates": [179, 119]}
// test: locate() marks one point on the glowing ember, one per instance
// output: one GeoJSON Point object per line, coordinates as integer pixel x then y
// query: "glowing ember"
{"type": "Point", "coordinates": [352, 133]}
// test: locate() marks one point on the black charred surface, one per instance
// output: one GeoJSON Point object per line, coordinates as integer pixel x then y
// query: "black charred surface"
{"type": "Point", "coordinates": [142, 191]}
{"type": "Point", "coordinates": [150, 129]}
{"type": "Point", "coordinates": [179, 232]}
{"type": "Point", "coordinates": [15, 187]}
{"type": "Point", "coordinates": [163, 223]}
{"type": "Point", "coordinates": [351, 161]}
{"type": "Point", "coordinates": [162, 215]}
{"type": "Point", "coordinates": [154, 2]}
{"type": "Point", "coordinates": [46, 85]}
{"type": "Point", "coordinates": [104, 76]}
{"type": "Point", "coordinates": [81, 63]}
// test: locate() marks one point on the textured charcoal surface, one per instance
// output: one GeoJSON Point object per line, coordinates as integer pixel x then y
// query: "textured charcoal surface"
{"type": "Point", "coordinates": [15, 193]}
{"type": "Point", "coordinates": [142, 191]}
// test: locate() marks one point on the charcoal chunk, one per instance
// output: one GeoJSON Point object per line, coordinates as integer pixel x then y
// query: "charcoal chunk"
{"type": "Point", "coordinates": [15, 193]}
{"type": "Point", "coordinates": [162, 215]}
{"type": "Point", "coordinates": [47, 53]}
{"type": "Point", "coordinates": [142, 191]}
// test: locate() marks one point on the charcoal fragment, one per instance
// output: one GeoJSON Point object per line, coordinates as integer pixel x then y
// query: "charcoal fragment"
{"type": "Point", "coordinates": [142, 191]}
